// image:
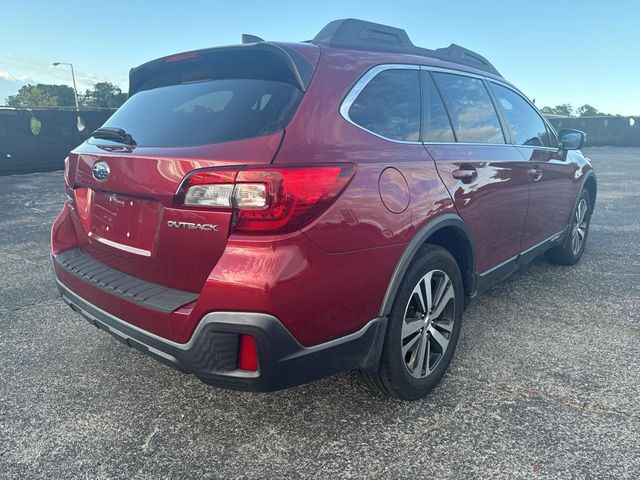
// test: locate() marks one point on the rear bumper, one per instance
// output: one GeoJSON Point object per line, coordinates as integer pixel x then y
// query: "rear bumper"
{"type": "Point", "coordinates": [211, 352]}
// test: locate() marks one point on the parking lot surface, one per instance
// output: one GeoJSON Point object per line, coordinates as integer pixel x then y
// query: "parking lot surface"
{"type": "Point", "coordinates": [545, 382]}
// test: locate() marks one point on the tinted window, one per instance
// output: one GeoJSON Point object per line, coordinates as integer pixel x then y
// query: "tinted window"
{"type": "Point", "coordinates": [525, 124]}
{"type": "Point", "coordinates": [206, 112]}
{"type": "Point", "coordinates": [435, 122]}
{"type": "Point", "coordinates": [472, 114]}
{"type": "Point", "coordinates": [553, 138]}
{"type": "Point", "coordinates": [390, 105]}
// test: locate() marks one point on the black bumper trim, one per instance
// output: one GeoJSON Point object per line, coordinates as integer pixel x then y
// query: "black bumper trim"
{"type": "Point", "coordinates": [211, 352]}
{"type": "Point", "coordinates": [132, 289]}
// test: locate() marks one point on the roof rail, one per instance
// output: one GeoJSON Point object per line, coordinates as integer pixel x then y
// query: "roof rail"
{"type": "Point", "coordinates": [362, 35]}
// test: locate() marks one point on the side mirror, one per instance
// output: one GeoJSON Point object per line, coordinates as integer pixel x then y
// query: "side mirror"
{"type": "Point", "coordinates": [572, 139]}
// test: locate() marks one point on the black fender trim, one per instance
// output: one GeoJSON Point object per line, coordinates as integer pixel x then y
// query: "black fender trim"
{"type": "Point", "coordinates": [410, 251]}
{"type": "Point", "coordinates": [587, 176]}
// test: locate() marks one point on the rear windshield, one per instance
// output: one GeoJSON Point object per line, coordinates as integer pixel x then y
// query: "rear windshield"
{"type": "Point", "coordinates": [206, 112]}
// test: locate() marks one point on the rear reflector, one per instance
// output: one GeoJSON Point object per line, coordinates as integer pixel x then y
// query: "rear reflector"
{"type": "Point", "coordinates": [248, 354]}
{"type": "Point", "coordinates": [267, 199]}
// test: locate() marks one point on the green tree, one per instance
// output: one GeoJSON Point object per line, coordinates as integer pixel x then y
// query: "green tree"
{"type": "Point", "coordinates": [548, 110]}
{"type": "Point", "coordinates": [104, 95]}
{"type": "Point", "coordinates": [42, 95]}
{"type": "Point", "coordinates": [587, 110]}
{"type": "Point", "coordinates": [564, 109]}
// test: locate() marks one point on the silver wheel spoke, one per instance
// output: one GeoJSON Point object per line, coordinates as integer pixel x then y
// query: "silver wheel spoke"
{"type": "Point", "coordinates": [411, 326]}
{"type": "Point", "coordinates": [423, 303]}
{"type": "Point", "coordinates": [422, 348]}
{"type": "Point", "coordinates": [447, 326]}
{"type": "Point", "coordinates": [427, 356]}
{"type": "Point", "coordinates": [580, 213]}
{"type": "Point", "coordinates": [426, 284]}
{"type": "Point", "coordinates": [438, 337]}
{"type": "Point", "coordinates": [443, 301]}
{"type": "Point", "coordinates": [439, 290]}
{"type": "Point", "coordinates": [410, 345]}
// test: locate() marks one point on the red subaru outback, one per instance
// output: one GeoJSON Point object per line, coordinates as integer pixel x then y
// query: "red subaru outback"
{"type": "Point", "coordinates": [267, 214]}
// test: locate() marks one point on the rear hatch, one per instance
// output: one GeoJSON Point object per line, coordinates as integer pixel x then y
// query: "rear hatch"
{"type": "Point", "coordinates": [213, 108]}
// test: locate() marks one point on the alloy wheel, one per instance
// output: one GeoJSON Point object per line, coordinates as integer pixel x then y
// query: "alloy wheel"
{"type": "Point", "coordinates": [428, 323]}
{"type": "Point", "coordinates": [579, 227]}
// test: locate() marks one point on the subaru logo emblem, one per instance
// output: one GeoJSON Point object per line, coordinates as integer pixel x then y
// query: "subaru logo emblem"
{"type": "Point", "coordinates": [100, 171]}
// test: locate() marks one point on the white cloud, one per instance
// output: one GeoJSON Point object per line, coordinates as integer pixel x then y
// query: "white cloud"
{"type": "Point", "coordinates": [7, 76]}
{"type": "Point", "coordinates": [24, 70]}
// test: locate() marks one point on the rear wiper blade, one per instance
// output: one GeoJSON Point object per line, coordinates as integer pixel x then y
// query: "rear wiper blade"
{"type": "Point", "coordinates": [115, 134]}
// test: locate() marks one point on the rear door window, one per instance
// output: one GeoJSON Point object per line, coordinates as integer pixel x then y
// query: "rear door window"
{"type": "Point", "coordinates": [525, 124]}
{"type": "Point", "coordinates": [389, 105]}
{"type": "Point", "coordinates": [205, 112]}
{"type": "Point", "coordinates": [436, 126]}
{"type": "Point", "coordinates": [470, 108]}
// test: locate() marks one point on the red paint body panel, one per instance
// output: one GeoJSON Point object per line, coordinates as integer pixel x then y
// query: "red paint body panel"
{"type": "Point", "coordinates": [550, 198]}
{"type": "Point", "coordinates": [318, 296]}
{"type": "Point", "coordinates": [494, 203]}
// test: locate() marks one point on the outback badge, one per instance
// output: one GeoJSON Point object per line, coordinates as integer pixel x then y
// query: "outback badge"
{"type": "Point", "coordinates": [206, 227]}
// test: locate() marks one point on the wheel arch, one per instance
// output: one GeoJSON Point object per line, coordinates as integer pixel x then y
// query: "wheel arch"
{"type": "Point", "coordinates": [448, 231]}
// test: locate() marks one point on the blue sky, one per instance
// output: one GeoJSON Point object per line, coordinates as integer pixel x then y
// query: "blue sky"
{"type": "Point", "coordinates": [555, 51]}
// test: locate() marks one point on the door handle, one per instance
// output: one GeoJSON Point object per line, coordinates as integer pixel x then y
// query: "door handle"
{"type": "Point", "coordinates": [465, 174]}
{"type": "Point", "coordinates": [534, 173]}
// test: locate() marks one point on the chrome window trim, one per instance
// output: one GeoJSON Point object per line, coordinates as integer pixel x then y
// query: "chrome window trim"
{"type": "Point", "coordinates": [470, 144]}
{"type": "Point", "coordinates": [451, 71]}
{"type": "Point", "coordinates": [362, 82]}
{"type": "Point", "coordinates": [375, 70]}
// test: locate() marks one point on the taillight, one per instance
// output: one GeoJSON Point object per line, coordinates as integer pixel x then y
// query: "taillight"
{"type": "Point", "coordinates": [267, 199]}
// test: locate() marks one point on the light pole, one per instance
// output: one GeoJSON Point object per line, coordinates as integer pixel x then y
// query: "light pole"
{"type": "Point", "coordinates": [75, 93]}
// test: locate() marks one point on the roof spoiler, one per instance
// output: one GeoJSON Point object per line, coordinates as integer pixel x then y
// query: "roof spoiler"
{"type": "Point", "coordinates": [362, 35]}
{"type": "Point", "coordinates": [299, 70]}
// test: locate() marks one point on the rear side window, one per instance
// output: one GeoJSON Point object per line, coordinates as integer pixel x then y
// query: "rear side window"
{"type": "Point", "coordinates": [469, 105]}
{"type": "Point", "coordinates": [436, 126]}
{"type": "Point", "coordinates": [206, 112]}
{"type": "Point", "coordinates": [525, 124]}
{"type": "Point", "coordinates": [389, 105]}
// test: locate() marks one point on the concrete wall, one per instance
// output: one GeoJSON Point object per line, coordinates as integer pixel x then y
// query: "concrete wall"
{"type": "Point", "coordinates": [615, 131]}
{"type": "Point", "coordinates": [22, 151]}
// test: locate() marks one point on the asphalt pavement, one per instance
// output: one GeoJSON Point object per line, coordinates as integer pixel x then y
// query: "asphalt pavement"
{"type": "Point", "coordinates": [545, 382]}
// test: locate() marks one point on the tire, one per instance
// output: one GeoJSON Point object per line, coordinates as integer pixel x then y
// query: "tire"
{"type": "Point", "coordinates": [404, 376]}
{"type": "Point", "coordinates": [571, 250]}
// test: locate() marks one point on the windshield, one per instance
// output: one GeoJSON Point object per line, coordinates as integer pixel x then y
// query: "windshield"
{"type": "Point", "coordinates": [206, 112]}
